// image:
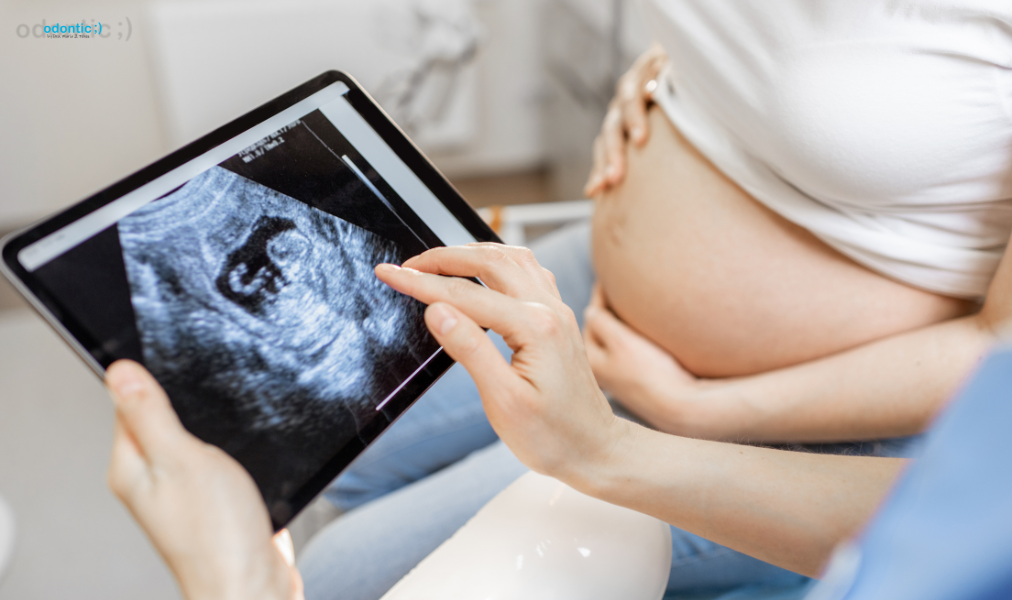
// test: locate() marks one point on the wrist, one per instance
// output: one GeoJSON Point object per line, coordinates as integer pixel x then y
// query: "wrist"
{"type": "Point", "coordinates": [594, 473]}
{"type": "Point", "coordinates": [677, 410]}
{"type": "Point", "coordinates": [706, 411]}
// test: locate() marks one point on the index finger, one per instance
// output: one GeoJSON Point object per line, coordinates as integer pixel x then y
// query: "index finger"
{"type": "Point", "coordinates": [488, 308]}
{"type": "Point", "coordinates": [509, 270]}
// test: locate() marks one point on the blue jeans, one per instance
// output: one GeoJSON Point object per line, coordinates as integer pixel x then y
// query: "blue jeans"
{"type": "Point", "coordinates": [441, 462]}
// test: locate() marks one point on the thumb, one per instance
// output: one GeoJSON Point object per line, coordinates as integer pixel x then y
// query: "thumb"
{"type": "Point", "coordinates": [144, 409]}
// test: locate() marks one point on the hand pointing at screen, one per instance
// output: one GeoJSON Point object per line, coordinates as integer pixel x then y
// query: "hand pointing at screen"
{"type": "Point", "coordinates": [545, 404]}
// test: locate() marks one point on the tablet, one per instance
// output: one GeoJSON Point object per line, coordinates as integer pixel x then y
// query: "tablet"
{"type": "Point", "coordinates": [239, 271]}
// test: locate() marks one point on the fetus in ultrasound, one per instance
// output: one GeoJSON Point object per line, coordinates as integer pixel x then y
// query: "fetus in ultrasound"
{"type": "Point", "coordinates": [260, 313]}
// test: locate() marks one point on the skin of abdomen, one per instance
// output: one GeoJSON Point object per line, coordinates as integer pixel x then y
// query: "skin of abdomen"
{"type": "Point", "coordinates": [726, 286]}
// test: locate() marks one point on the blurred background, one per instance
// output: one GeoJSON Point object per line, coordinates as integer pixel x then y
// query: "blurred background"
{"type": "Point", "coordinates": [505, 96]}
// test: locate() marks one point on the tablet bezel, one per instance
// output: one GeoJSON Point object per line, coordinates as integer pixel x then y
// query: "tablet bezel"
{"type": "Point", "coordinates": [80, 340]}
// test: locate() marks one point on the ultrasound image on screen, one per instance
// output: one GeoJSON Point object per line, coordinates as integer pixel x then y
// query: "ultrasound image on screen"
{"type": "Point", "coordinates": [260, 312]}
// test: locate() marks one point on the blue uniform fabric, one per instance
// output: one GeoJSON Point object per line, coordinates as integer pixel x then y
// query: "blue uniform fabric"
{"type": "Point", "coordinates": [945, 532]}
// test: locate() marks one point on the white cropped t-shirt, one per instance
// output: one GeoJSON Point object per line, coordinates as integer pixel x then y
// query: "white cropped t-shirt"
{"type": "Point", "coordinates": [884, 127]}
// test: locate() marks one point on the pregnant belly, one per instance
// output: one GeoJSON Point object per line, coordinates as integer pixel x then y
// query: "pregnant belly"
{"type": "Point", "coordinates": [726, 286]}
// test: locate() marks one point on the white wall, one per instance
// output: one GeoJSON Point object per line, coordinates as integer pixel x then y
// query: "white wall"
{"type": "Point", "coordinates": [75, 115]}
{"type": "Point", "coordinates": [511, 92]}
{"type": "Point", "coordinates": [79, 114]}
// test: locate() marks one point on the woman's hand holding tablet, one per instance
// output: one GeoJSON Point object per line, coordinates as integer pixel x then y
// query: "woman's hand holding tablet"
{"type": "Point", "coordinates": [199, 507]}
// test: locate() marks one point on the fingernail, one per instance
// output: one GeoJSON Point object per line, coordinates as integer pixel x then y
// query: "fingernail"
{"type": "Point", "coordinates": [128, 387]}
{"type": "Point", "coordinates": [448, 324]}
{"type": "Point", "coordinates": [387, 268]}
{"type": "Point", "coordinates": [445, 321]}
{"type": "Point", "coordinates": [637, 133]}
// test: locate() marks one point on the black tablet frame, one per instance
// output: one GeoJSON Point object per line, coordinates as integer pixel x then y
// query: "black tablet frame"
{"type": "Point", "coordinates": [78, 338]}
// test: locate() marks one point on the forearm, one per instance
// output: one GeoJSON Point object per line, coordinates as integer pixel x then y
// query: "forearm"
{"type": "Point", "coordinates": [891, 387]}
{"type": "Point", "coordinates": [787, 508]}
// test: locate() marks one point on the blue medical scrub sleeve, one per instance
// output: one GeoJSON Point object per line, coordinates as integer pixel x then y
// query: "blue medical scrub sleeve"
{"type": "Point", "coordinates": [945, 532]}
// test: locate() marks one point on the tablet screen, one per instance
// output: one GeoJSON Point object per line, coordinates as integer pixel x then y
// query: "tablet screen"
{"type": "Point", "coordinates": [243, 280]}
